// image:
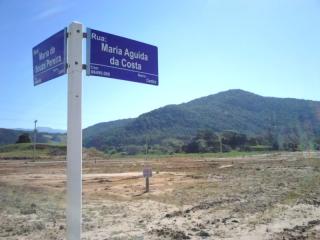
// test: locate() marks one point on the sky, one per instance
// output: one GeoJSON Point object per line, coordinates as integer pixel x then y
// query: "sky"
{"type": "Point", "coordinates": [268, 47]}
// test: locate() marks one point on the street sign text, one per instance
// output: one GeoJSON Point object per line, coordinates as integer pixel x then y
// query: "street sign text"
{"type": "Point", "coordinates": [50, 58]}
{"type": "Point", "coordinates": [122, 58]}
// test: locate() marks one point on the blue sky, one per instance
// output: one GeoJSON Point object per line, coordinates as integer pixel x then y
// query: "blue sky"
{"type": "Point", "coordinates": [269, 47]}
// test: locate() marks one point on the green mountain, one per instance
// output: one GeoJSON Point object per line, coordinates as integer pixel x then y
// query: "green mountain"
{"type": "Point", "coordinates": [8, 136]}
{"type": "Point", "coordinates": [285, 119]}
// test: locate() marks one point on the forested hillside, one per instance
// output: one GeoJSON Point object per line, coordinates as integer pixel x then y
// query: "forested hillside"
{"type": "Point", "coordinates": [272, 122]}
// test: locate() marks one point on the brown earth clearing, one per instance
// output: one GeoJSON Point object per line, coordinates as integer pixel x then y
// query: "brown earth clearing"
{"type": "Point", "coordinates": [266, 196]}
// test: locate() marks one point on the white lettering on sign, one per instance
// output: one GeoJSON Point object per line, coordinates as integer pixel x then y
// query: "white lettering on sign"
{"type": "Point", "coordinates": [44, 55]}
{"type": "Point", "coordinates": [98, 38]}
{"type": "Point", "coordinates": [40, 68]}
{"type": "Point", "coordinates": [152, 81]}
{"type": "Point", "coordinates": [35, 52]}
{"type": "Point", "coordinates": [114, 61]}
{"type": "Point", "coordinates": [136, 55]}
{"type": "Point", "coordinates": [121, 58]}
{"type": "Point", "coordinates": [105, 47]}
{"type": "Point", "coordinates": [54, 61]}
{"type": "Point", "coordinates": [130, 65]}
{"type": "Point", "coordinates": [52, 50]}
{"type": "Point", "coordinates": [114, 50]}
{"type": "Point", "coordinates": [47, 60]}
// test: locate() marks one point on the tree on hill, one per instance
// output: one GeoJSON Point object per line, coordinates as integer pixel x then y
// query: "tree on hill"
{"type": "Point", "coordinates": [234, 139]}
{"type": "Point", "coordinates": [204, 141]}
{"type": "Point", "coordinates": [24, 138]}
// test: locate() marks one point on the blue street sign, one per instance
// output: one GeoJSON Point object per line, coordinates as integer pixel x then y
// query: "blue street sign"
{"type": "Point", "coordinates": [50, 58]}
{"type": "Point", "coordinates": [122, 58]}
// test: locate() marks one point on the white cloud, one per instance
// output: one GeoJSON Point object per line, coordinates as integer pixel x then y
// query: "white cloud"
{"type": "Point", "coordinates": [49, 13]}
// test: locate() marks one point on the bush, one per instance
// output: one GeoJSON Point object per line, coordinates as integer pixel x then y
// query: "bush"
{"type": "Point", "coordinates": [24, 138]}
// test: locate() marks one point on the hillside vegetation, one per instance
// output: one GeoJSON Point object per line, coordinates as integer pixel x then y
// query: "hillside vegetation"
{"type": "Point", "coordinates": [263, 122]}
{"type": "Point", "coordinates": [228, 121]}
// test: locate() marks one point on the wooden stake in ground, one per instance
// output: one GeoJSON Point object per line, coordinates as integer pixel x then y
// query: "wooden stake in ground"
{"type": "Point", "coordinates": [147, 184]}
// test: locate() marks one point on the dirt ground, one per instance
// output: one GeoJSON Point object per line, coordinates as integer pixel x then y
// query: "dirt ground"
{"type": "Point", "coordinates": [269, 196]}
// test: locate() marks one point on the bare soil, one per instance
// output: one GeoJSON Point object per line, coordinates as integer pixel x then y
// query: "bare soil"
{"type": "Point", "coordinates": [268, 196]}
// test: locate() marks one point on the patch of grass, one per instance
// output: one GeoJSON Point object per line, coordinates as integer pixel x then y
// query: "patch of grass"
{"type": "Point", "coordinates": [231, 154]}
{"type": "Point", "coordinates": [291, 197]}
{"type": "Point", "coordinates": [93, 153]}
{"type": "Point", "coordinates": [44, 151]}
{"type": "Point", "coordinates": [308, 185]}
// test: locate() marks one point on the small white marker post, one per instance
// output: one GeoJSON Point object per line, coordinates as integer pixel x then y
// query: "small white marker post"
{"type": "Point", "coordinates": [74, 137]}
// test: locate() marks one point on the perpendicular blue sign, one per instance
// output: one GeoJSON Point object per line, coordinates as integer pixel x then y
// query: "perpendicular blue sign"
{"type": "Point", "coordinates": [117, 57]}
{"type": "Point", "coordinates": [50, 58]}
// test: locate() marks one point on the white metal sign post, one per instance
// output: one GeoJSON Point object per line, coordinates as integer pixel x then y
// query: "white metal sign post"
{"type": "Point", "coordinates": [74, 141]}
{"type": "Point", "coordinates": [50, 60]}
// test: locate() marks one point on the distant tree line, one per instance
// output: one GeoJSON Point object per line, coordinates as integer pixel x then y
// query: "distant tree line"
{"type": "Point", "coordinates": [208, 141]}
